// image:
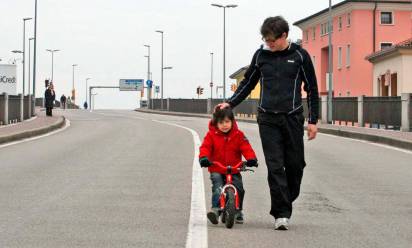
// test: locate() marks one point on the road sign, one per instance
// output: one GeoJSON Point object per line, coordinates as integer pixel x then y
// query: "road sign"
{"type": "Point", "coordinates": [211, 84]}
{"type": "Point", "coordinates": [131, 84]}
{"type": "Point", "coordinates": [149, 83]}
{"type": "Point", "coordinates": [8, 82]}
{"type": "Point", "coordinates": [157, 89]}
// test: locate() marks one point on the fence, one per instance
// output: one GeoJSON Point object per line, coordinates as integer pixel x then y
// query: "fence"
{"type": "Point", "coordinates": [15, 108]}
{"type": "Point", "coordinates": [380, 112]}
{"type": "Point", "coordinates": [345, 109]}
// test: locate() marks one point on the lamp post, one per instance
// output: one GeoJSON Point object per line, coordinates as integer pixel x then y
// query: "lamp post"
{"type": "Point", "coordinates": [52, 51]}
{"type": "Point", "coordinates": [162, 68]}
{"type": "Point", "coordinates": [224, 42]}
{"type": "Point", "coordinates": [24, 52]}
{"type": "Point", "coordinates": [35, 49]}
{"type": "Point", "coordinates": [87, 79]}
{"type": "Point", "coordinates": [330, 69]}
{"type": "Point", "coordinates": [30, 39]}
{"type": "Point", "coordinates": [73, 92]}
{"type": "Point", "coordinates": [149, 89]}
{"type": "Point", "coordinates": [211, 76]}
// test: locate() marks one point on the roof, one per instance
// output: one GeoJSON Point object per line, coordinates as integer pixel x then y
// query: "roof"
{"type": "Point", "coordinates": [345, 2]}
{"type": "Point", "coordinates": [406, 44]}
{"type": "Point", "coordinates": [236, 73]}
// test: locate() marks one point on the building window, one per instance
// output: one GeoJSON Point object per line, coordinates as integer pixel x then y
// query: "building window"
{"type": "Point", "coordinates": [347, 55]}
{"type": "Point", "coordinates": [339, 57]}
{"type": "Point", "coordinates": [306, 35]}
{"type": "Point", "coordinates": [348, 19]}
{"type": "Point", "coordinates": [340, 23]}
{"type": "Point", "coordinates": [313, 33]}
{"type": "Point", "coordinates": [385, 45]}
{"type": "Point", "coordinates": [314, 60]}
{"type": "Point", "coordinates": [386, 18]}
{"type": "Point", "coordinates": [324, 28]}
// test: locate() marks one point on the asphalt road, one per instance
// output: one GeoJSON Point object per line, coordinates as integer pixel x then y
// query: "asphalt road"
{"type": "Point", "coordinates": [119, 179]}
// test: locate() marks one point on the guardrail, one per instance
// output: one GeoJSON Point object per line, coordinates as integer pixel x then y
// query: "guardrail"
{"type": "Point", "coordinates": [376, 112]}
{"type": "Point", "coordinates": [15, 108]}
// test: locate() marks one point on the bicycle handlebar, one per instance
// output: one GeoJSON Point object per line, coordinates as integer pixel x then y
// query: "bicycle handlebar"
{"type": "Point", "coordinates": [241, 166]}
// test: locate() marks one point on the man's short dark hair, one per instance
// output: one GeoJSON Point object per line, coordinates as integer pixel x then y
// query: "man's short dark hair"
{"type": "Point", "coordinates": [220, 114]}
{"type": "Point", "coordinates": [274, 26]}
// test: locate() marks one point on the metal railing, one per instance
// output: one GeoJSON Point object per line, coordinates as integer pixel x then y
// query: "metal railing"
{"type": "Point", "coordinates": [382, 111]}
{"type": "Point", "coordinates": [14, 108]}
{"type": "Point", "coordinates": [345, 109]}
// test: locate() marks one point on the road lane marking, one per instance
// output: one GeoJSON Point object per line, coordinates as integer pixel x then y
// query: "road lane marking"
{"type": "Point", "coordinates": [370, 143]}
{"type": "Point", "coordinates": [66, 125]}
{"type": "Point", "coordinates": [197, 229]}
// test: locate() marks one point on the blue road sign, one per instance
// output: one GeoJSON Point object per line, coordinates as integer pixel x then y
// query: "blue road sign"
{"type": "Point", "coordinates": [149, 83]}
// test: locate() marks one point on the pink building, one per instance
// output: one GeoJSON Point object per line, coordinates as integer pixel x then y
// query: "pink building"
{"type": "Point", "coordinates": [359, 28]}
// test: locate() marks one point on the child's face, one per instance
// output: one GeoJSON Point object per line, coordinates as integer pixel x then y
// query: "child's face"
{"type": "Point", "coordinates": [224, 125]}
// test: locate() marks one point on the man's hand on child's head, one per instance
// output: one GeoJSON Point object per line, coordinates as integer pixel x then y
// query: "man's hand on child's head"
{"type": "Point", "coordinates": [204, 162]}
{"type": "Point", "coordinates": [222, 106]}
{"type": "Point", "coordinates": [252, 163]}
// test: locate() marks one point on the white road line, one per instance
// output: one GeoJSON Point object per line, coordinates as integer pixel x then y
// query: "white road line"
{"type": "Point", "coordinates": [67, 124]}
{"type": "Point", "coordinates": [369, 143]}
{"type": "Point", "coordinates": [197, 229]}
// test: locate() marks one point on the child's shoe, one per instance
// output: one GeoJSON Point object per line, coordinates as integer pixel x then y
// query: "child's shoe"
{"type": "Point", "coordinates": [213, 216]}
{"type": "Point", "coordinates": [239, 217]}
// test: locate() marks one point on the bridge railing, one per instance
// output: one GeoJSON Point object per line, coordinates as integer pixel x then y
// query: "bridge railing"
{"type": "Point", "coordinates": [378, 112]}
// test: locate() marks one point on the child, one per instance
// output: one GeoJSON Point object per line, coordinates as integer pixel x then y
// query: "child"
{"type": "Point", "coordinates": [226, 144]}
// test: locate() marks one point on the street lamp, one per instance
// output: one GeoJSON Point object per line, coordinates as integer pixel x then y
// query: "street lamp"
{"type": "Point", "coordinates": [52, 51]}
{"type": "Point", "coordinates": [35, 49]}
{"type": "Point", "coordinates": [87, 79]}
{"type": "Point", "coordinates": [224, 42]}
{"type": "Point", "coordinates": [162, 68]}
{"type": "Point", "coordinates": [73, 92]}
{"type": "Point", "coordinates": [24, 51]}
{"type": "Point", "coordinates": [149, 89]}
{"type": "Point", "coordinates": [30, 39]}
{"type": "Point", "coordinates": [211, 76]}
{"type": "Point", "coordinates": [330, 69]}
{"type": "Point", "coordinates": [32, 96]}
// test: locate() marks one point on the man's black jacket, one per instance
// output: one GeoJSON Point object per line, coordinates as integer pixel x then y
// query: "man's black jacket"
{"type": "Point", "coordinates": [281, 75]}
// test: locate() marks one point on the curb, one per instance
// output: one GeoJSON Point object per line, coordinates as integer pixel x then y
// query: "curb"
{"type": "Point", "coordinates": [34, 132]}
{"type": "Point", "coordinates": [337, 132]}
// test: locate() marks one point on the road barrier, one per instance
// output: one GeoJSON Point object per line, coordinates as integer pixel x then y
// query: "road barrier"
{"type": "Point", "coordinates": [15, 108]}
{"type": "Point", "coordinates": [376, 112]}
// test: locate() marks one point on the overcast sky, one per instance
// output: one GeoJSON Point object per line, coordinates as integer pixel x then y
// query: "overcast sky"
{"type": "Point", "coordinates": [106, 37]}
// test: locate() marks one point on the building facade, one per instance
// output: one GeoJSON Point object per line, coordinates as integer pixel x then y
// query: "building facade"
{"type": "Point", "coordinates": [392, 70]}
{"type": "Point", "coordinates": [359, 28]}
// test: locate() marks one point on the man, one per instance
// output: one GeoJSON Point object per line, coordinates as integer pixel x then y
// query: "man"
{"type": "Point", "coordinates": [50, 97]}
{"type": "Point", "coordinates": [281, 66]}
{"type": "Point", "coordinates": [63, 101]}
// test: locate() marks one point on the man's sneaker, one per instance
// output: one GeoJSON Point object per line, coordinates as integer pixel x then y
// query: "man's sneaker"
{"type": "Point", "coordinates": [213, 216]}
{"type": "Point", "coordinates": [239, 218]}
{"type": "Point", "coordinates": [282, 224]}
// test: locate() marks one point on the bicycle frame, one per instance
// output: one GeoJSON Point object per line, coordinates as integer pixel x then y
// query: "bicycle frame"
{"type": "Point", "coordinates": [228, 171]}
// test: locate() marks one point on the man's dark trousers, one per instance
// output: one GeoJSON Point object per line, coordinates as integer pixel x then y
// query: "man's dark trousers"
{"type": "Point", "coordinates": [282, 142]}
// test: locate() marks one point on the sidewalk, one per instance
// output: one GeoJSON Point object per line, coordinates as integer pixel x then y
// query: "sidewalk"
{"type": "Point", "coordinates": [388, 137]}
{"type": "Point", "coordinates": [33, 127]}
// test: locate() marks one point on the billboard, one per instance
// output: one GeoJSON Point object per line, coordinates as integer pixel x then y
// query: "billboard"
{"type": "Point", "coordinates": [8, 81]}
{"type": "Point", "coordinates": [131, 84]}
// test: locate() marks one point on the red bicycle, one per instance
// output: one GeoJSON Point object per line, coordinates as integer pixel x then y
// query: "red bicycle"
{"type": "Point", "coordinates": [229, 197]}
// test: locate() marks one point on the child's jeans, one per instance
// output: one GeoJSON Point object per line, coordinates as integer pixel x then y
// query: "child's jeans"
{"type": "Point", "coordinates": [218, 181]}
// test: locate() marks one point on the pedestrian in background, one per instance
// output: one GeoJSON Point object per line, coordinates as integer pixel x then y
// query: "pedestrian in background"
{"type": "Point", "coordinates": [50, 97]}
{"type": "Point", "coordinates": [63, 101]}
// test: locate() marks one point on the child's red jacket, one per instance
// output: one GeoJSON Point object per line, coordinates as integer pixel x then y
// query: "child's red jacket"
{"type": "Point", "coordinates": [225, 148]}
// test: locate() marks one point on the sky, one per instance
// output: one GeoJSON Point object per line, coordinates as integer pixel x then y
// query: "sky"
{"type": "Point", "coordinates": [106, 37]}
